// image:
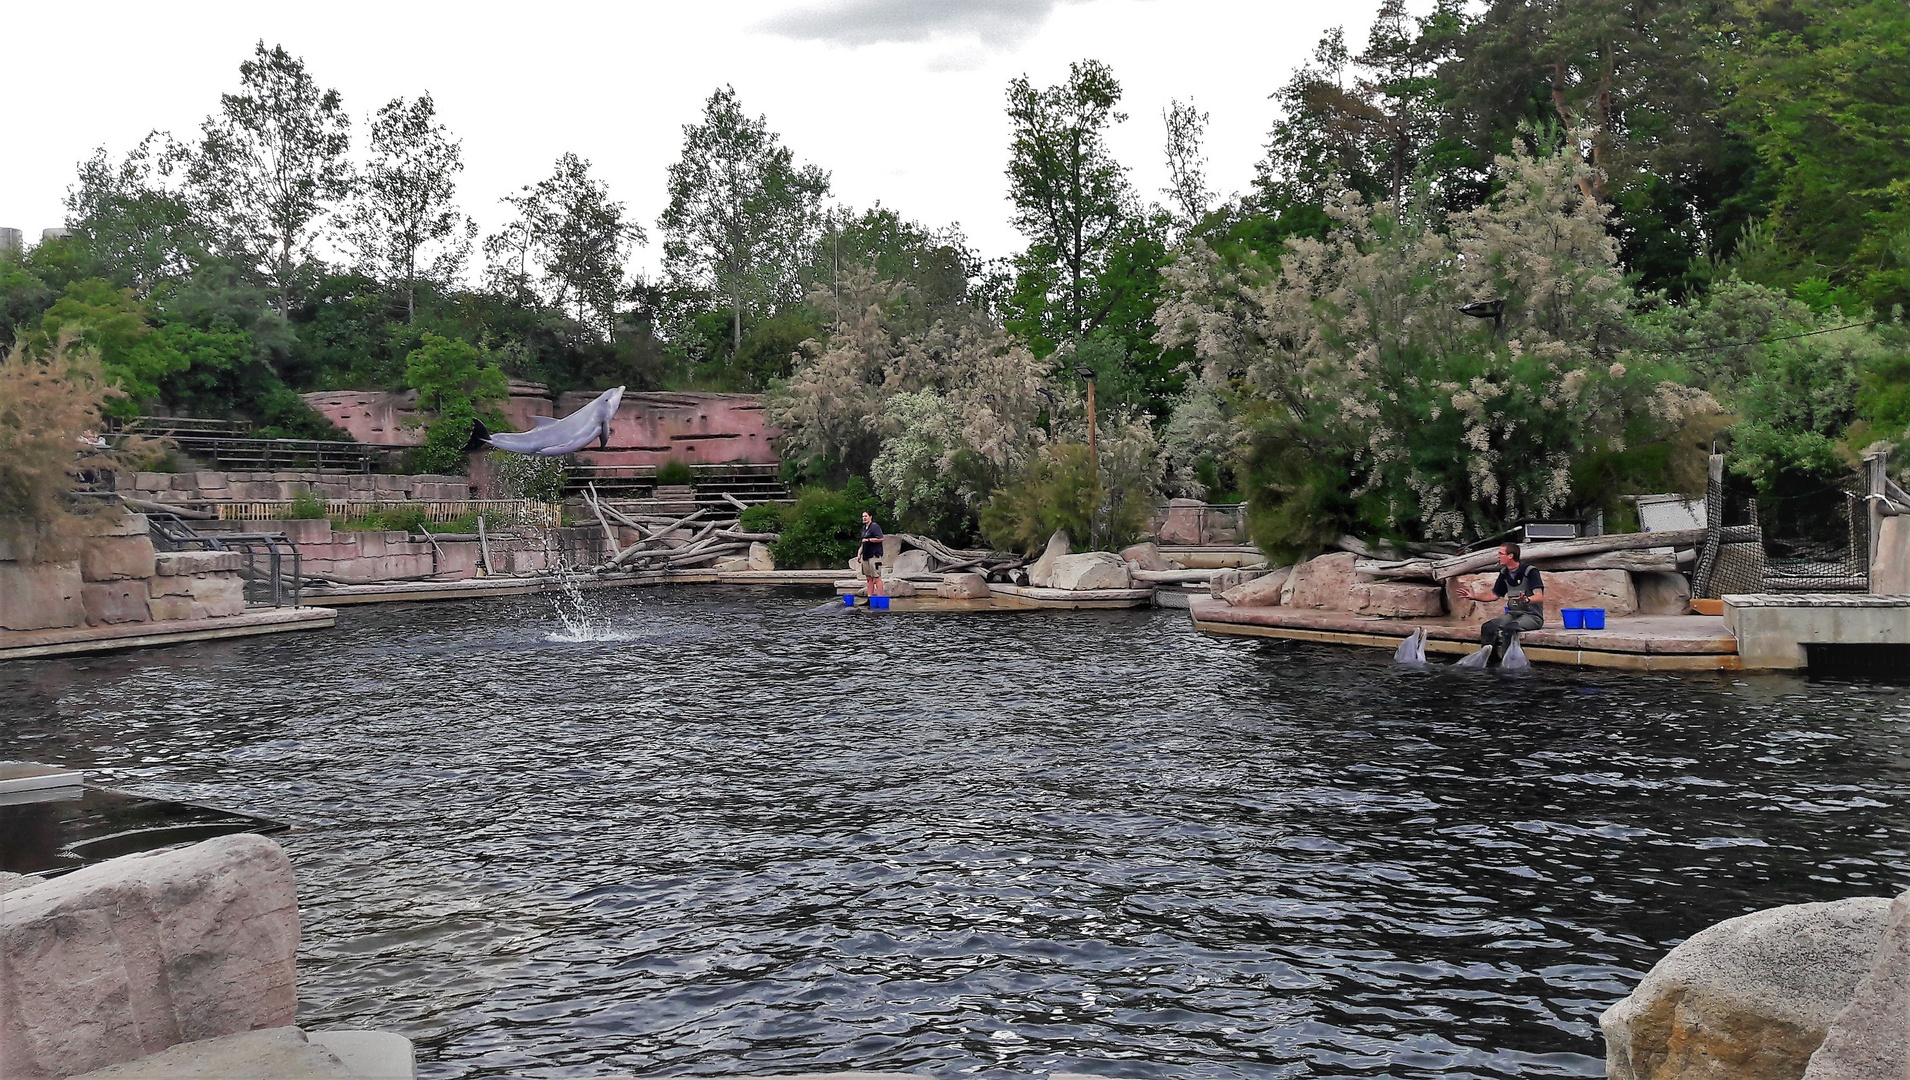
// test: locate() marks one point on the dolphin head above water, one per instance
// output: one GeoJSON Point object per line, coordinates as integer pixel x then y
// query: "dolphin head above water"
{"type": "Point", "coordinates": [553, 437]}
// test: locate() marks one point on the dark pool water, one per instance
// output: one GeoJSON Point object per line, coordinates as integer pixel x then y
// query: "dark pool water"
{"type": "Point", "coordinates": [752, 837]}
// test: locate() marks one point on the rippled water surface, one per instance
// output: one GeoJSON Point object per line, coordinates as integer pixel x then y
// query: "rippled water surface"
{"type": "Point", "coordinates": [753, 836]}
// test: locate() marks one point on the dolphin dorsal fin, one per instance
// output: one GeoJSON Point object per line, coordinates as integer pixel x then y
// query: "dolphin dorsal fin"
{"type": "Point", "coordinates": [540, 421]}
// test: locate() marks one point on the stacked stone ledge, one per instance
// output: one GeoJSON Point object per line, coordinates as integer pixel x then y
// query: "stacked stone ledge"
{"type": "Point", "coordinates": [283, 486]}
{"type": "Point", "coordinates": [119, 579]}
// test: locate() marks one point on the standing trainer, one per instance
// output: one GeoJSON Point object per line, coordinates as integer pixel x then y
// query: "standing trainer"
{"type": "Point", "coordinates": [1524, 594]}
{"type": "Point", "coordinates": [871, 555]}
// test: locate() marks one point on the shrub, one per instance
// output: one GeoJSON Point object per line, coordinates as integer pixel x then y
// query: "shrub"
{"type": "Point", "coordinates": [531, 476]}
{"type": "Point", "coordinates": [675, 472]}
{"type": "Point", "coordinates": [764, 518]}
{"type": "Point", "coordinates": [1053, 493]}
{"type": "Point", "coordinates": [306, 506]}
{"type": "Point", "coordinates": [48, 403]}
{"type": "Point", "coordinates": [452, 378]}
{"type": "Point", "coordinates": [824, 527]}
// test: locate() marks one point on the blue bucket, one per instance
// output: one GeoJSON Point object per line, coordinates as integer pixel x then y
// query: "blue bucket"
{"type": "Point", "coordinates": [1594, 618]}
{"type": "Point", "coordinates": [1574, 618]}
{"type": "Point", "coordinates": [848, 599]}
{"type": "Point", "coordinates": [881, 603]}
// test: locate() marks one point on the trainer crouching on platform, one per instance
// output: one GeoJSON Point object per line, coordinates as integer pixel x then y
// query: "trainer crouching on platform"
{"type": "Point", "coordinates": [1524, 593]}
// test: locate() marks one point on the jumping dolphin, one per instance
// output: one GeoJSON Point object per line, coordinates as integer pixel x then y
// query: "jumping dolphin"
{"type": "Point", "coordinates": [1413, 649]}
{"type": "Point", "coordinates": [554, 438]}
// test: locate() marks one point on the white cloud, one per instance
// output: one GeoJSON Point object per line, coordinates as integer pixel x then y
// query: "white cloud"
{"type": "Point", "coordinates": [997, 23]}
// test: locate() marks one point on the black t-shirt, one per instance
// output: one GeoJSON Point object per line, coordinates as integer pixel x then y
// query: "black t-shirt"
{"type": "Point", "coordinates": [1522, 573]}
{"type": "Point", "coordinates": [872, 541]}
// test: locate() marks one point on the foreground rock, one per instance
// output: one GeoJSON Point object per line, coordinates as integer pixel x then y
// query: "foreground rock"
{"type": "Point", "coordinates": [1146, 556]}
{"type": "Point", "coordinates": [1089, 570]}
{"type": "Point", "coordinates": [1323, 583]}
{"type": "Point", "coordinates": [125, 958]}
{"type": "Point", "coordinates": [1870, 1039]}
{"type": "Point", "coordinates": [963, 587]}
{"type": "Point", "coordinates": [1258, 590]}
{"type": "Point", "coordinates": [1041, 571]}
{"type": "Point", "coordinates": [280, 1053]}
{"type": "Point", "coordinates": [1747, 999]}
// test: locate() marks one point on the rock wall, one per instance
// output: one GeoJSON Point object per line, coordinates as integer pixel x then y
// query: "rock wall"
{"type": "Point", "coordinates": [365, 556]}
{"type": "Point", "coordinates": [375, 416]}
{"type": "Point", "coordinates": [215, 486]}
{"type": "Point", "coordinates": [119, 578]}
{"type": "Point", "coordinates": [127, 957]}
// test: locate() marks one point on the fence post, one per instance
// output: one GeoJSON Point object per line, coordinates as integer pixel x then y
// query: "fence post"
{"type": "Point", "coordinates": [1878, 481]}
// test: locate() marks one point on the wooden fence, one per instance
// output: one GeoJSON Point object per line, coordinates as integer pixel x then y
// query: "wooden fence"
{"type": "Point", "coordinates": [497, 512]}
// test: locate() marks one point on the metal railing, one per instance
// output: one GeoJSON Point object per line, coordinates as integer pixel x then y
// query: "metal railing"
{"type": "Point", "coordinates": [265, 572]}
{"type": "Point", "coordinates": [511, 511]}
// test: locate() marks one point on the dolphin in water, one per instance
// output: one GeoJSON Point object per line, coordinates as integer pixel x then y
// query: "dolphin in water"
{"type": "Point", "coordinates": [554, 438]}
{"type": "Point", "coordinates": [1478, 659]}
{"type": "Point", "coordinates": [1514, 658]}
{"type": "Point", "coordinates": [1413, 649]}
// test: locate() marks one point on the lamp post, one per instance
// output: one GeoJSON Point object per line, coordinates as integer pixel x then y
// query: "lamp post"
{"type": "Point", "coordinates": [1094, 457]}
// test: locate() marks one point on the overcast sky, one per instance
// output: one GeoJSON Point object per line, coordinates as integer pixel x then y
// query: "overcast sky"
{"type": "Point", "coordinates": [900, 100]}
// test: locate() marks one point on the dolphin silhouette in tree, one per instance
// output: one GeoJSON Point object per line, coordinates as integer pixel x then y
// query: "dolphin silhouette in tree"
{"type": "Point", "coordinates": [554, 438]}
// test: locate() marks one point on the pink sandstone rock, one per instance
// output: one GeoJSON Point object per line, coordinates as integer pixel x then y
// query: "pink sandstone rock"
{"type": "Point", "coordinates": [1460, 607]}
{"type": "Point", "coordinates": [127, 957]}
{"type": "Point", "coordinates": [1396, 600]}
{"type": "Point", "coordinates": [1871, 1037]}
{"type": "Point", "coordinates": [309, 531]}
{"type": "Point", "coordinates": [1324, 582]}
{"type": "Point", "coordinates": [1662, 593]}
{"type": "Point", "coordinates": [109, 603]}
{"type": "Point", "coordinates": [188, 563]}
{"type": "Point", "coordinates": [107, 558]}
{"type": "Point", "coordinates": [170, 608]}
{"type": "Point", "coordinates": [1145, 556]}
{"type": "Point", "coordinates": [1089, 570]}
{"type": "Point", "coordinates": [40, 596]}
{"type": "Point", "coordinates": [1262, 591]}
{"type": "Point", "coordinates": [1608, 589]}
{"type": "Point", "coordinates": [1182, 524]}
{"type": "Point", "coordinates": [963, 587]}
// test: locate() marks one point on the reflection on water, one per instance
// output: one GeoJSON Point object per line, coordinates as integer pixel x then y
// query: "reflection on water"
{"type": "Point", "coordinates": [753, 839]}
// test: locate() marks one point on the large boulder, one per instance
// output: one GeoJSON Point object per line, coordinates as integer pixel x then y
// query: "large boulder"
{"type": "Point", "coordinates": [279, 1053]}
{"type": "Point", "coordinates": [1145, 556]}
{"type": "Point", "coordinates": [1608, 589]}
{"type": "Point", "coordinates": [1396, 600]}
{"type": "Point", "coordinates": [963, 587]}
{"type": "Point", "coordinates": [1182, 523]}
{"type": "Point", "coordinates": [1870, 1039]}
{"type": "Point", "coordinates": [1041, 571]}
{"type": "Point", "coordinates": [1662, 593]}
{"type": "Point", "coordinates": [127, 957]}
{"type": "Point", "coordinates": [1089, 570]}
{"type": "Point", "coordinates": [1457, 589]}
{"type": "Point", "coordinates": [109, 558]}
{"type": "Point", "coordinates": [109, 603]}
{"type": "Point", "coordinates": [1324, 582]}
{"type": "Point", "coordinates": [40, 596]}
{"type": "Point", "coordinates": [1747, 999]}
{"type": "Point", "coordinates": [760, 558]}
{"type": "Point", "coordinates": [911, 563]}
{"type": "Point", "coordinates": [1260, 590]}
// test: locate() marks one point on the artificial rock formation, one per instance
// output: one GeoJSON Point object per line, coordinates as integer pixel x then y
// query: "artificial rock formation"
{"type": "Point", "coordinates": [1041, 571]}
{"type": "Point", "coordinates": [1748, 999]}
{"type": "Point", "coordinates": [1146, 556]}
{"type": "Point", "coordinates": [279, 1053]}
{"type": "Point", "coordinates": [1395, 600]}
{"type": "Point", "coordinates": [963, 587]}
{"type": "Point", "coordinates": [1089, 570]}
{"type": "Point", "coordinates": [1870, 1039]}
{"type": "Point", "coordinates": [760, 558]}
{"type": "Point", "coordinates": [1251, 588]}
{"type": "Point", "coordinates": [1322, 583]}
{"type": "Point", "coordinates": [125, 958]}
{"type": "Point", "coordinates": [1662, 593]}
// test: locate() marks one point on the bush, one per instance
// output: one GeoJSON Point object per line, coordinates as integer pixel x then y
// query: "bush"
{"type": "Point", "coordinates": [1053, 493]}
{"type": "Point", "coordinates": [764, 518]}
{"type": "Point", "coordinates": [825, 526]}
{"type": "Point", "coordinates": [48, 403]}
{"type": "Point", "coordinates": [306, 506]}
{"type": "Point", "coordinates": [675, 472]}
{"type": "Point", "coordinates": [531, 476]}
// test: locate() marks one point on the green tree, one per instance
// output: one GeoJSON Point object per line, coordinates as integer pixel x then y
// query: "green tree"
{"type": "Point", "coordinates": [270, 164]}
{"type": "Point", "coordinates": [113, 324]}
{"type": "Point", "coordinates": [743, 217]}
{"type": "Point", "coordinates": [577, 240]}
{"type": "Point", "coordinates": [403, 221]}
{"type": "Point", "coordinates": [140, 230]}
{"type": "Point", "coordinates": [454, 380]}
{"type": "Point", "coordinates": [1071, 197]}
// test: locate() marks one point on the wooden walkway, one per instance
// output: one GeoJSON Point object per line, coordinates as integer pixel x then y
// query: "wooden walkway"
{"type": "Point", "coordinates": [1635, 643]}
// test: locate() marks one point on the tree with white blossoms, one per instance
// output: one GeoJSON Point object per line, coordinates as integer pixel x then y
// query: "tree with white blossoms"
{"type": "Point", "coordinates": [1371, 405]}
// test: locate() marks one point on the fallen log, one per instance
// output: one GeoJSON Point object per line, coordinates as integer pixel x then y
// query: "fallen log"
{"type": "Point", "coordinates": [596, 506]}
{"type": "Point", "coordinates": [1399, 569]}
{"type": "Point", "coordinates": [1475, 561]}
{"type": "Point", "coordinates": [1171, 577]}
{"type": "Point", "coordinates": [733, 500]}
{"type": "Point", "coordinates": [165, 508]}
{"type": "Point", "coordinates": [1637, 562]}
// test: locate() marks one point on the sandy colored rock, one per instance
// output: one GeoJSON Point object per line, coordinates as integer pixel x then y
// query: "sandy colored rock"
{"type": "Point", "coordinates": [14, 882]}
{"type": "Point", "coordinates": [109, 558]}
{"type": "Point", "coordinates": [732, 565]}
{"type": "Point", "coordinates": [276, 1053]}
{"type": "Point", "coordinates": [124, 958]}
{"type": "Point", "coordinates": [898, 586]}
{"type": "Point", "coordinates": [1890, 566]}
{"type": "Point", "coordinates": [1145, 556]}
{"type": "Point", "coordinates": [1182, 523]}
{"type": "Point", "coordinates": [308, 531]}
{"type": "Point", "coordinates": [1089, 570]}
{"type": "Point", "coordinates": [1662, 593]}
{"type": "Point", "coordinates": [1041, 571]}
{"type": "Point", "coordinates": [1747, 999]}
{"type": "Point", "coordinates": [1870, 1039]}
{"type": "Point", "coordinates": [963, 587]}
{"type": "Point", "coordinates": [40, 596]}
{"type": "Point", "coordinates": [1258, 590]}
{"type": "Point", "coordinates": [111, 603]}
{"type": "Point", "coordinates": [1468, 610]}
{"type": "Point", "coordinates": [188, 563]}
{"type": "Point", "coordinates": [1396, 600]}
{"type": "Point", "coordinates": [1324, 582]}
{"type": "Point", "coordinates": [760, 558]}
{"type": "Point", "coordinates": [115, 523]}
{"type": "Point", "coordinates": [1608, 589]}
{"type": "Point", "coordinates": [911, 563]}
{"type": "Point", "coordinates": [170, 608]}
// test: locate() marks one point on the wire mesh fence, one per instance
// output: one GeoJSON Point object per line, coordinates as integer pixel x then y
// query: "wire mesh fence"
{"type": "Point", "coordinates": [1739, 555]}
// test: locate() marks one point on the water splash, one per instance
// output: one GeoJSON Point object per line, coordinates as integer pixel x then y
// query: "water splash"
{"type": "Point", "coordinates": [583, 617]}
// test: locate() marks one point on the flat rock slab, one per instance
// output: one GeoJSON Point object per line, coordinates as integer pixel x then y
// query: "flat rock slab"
{"type": "Point", "coordinates": [279, 1053]}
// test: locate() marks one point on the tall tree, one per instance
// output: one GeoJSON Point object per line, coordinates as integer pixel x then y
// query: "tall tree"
{"type": "Point", "coordinates": [1070, 195]}
{"type": "Point", "coordinates": [269, 163]}
{"type": "Point", "coordinates": [1186, 164]}
{"type": "Point", "coordinates": [743, 217]}
{"type": "Point", "coordinates": [136, 225]}
{"type": "Point", "coordinates": [403, 211]}
{"type": "Point", "coordinates": [575, 236]}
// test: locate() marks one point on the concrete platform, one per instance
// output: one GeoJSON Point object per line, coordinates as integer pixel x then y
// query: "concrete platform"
{"type": "Point", "coordinates": [394, 592]}
{"type": "Point", "coordinates": [21, 645]}
{"type": "Point", "coordinates": [1638, 643]}
{"type": "Point", "coordinates": [1776, 630]}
